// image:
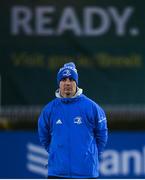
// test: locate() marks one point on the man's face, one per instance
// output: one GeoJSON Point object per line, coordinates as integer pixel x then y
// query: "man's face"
{"type": "Point", "coordinates": [67, 87]}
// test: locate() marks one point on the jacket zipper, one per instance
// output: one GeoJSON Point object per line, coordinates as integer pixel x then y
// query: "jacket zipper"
{"type": "Point", "coordinates": [69, 140]}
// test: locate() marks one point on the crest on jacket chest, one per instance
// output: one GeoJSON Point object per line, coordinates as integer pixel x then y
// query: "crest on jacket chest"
{"type": "Point", "coordinates": [78, 120]}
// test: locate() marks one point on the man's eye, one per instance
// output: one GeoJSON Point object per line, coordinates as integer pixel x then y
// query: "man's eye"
{"type": "Point", "coordinates": [64, 79]}
{"type": "Point", "coordinates": [71, 79]}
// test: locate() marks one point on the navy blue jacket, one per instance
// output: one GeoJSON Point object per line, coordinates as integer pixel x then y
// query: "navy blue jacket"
{"type": "Point", "coordinates": [74, 133]}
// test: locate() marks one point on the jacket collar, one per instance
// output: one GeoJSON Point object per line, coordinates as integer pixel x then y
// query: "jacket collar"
{"type": "Point", "coordinates": [75, 97]}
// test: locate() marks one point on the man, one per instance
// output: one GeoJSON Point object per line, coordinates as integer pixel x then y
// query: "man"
{"type": "Point", "coordinates": [73, 129]}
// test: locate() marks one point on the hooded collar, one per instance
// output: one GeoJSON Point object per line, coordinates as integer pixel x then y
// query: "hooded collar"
{"type": "Point", "coordinates": [75, 97]}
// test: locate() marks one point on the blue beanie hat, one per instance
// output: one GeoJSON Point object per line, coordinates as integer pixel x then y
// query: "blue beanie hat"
{"type": "Point", "coordinates": [68, 70]}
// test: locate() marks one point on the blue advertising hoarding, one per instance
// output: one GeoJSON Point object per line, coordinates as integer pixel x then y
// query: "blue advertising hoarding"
{"type": "Point", "coordinates": [21, 155]}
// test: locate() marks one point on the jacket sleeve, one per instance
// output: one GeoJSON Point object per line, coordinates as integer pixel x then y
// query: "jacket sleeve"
{"type": "Point", "coordinates": [101, 130]}
{"type": "Point", "coordinates": [44, 129]}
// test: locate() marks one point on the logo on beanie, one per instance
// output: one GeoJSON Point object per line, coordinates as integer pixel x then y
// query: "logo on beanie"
{"type": "Point", "coordinates": [66, 73]}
